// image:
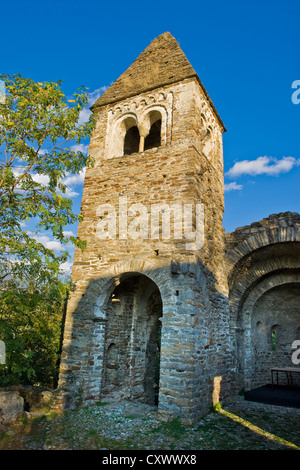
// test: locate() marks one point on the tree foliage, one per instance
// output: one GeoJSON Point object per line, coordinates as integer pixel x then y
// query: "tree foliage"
{"type": "Point", "coordinates": [38, 127]}
{"type": "Point", "coordinates": [31, 322]}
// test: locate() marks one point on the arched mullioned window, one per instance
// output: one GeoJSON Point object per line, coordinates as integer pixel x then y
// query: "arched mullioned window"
{"type": "Point", "coordinates": [145, 136]}
{"type": "Point", "coordinates": [152, 120]}
{"type": "Point", "coordinates": [132, 133]}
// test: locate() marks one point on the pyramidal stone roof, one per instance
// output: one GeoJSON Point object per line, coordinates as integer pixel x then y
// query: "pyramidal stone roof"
{"type": "Point", "coordinates": [162, 63]}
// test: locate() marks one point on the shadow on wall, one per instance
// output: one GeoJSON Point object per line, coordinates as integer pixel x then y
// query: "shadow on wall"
{"type": "Point", "coordinates": [153, 335]}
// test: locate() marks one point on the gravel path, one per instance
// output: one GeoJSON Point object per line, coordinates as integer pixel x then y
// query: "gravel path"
{"type": "Point", "coordinates": [123, 425]}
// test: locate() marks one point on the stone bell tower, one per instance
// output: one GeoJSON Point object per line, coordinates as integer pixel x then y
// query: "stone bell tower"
{"type": "Point", "coordinates": [147, 319]}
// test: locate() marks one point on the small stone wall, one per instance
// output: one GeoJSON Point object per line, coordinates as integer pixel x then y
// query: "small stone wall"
{"type": "Point", "coordinates": [16, 400]}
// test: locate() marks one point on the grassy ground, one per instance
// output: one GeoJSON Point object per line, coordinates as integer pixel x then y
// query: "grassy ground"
{"type": "Point", "coordinates": [114, 426]}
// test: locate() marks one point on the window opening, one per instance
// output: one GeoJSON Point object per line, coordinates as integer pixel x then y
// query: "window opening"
{"type": "Point", "coordinates": [274, 337]}
{"type": "Point", "coordinates": [153, 139]}
{"type": "Point", "coordinates": [131, 141]}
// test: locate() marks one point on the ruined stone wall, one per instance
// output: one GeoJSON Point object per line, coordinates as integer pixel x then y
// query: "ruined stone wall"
{"type": "Point", "coordinates": [263, 267]}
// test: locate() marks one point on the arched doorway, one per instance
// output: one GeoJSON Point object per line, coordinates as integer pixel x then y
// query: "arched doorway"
{"type": "Point", "coordinates": [132, 340]}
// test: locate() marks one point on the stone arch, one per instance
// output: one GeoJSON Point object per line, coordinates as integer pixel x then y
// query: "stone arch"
{"type": "Point", "coordinates": [133, 316]}
{"type": "Point", "coordinates": [262, 260]}
{"type": "Point", "coordinates": [148, 120]}
{"type": "Point", "coordinates": [131, 380]}
{"type": "Point", "coordinates": [131, 141]}
{"type": "Point", "coordinates": [131, 340]}
{"type": "Point", "coordinates": [98, 296]}
{"type": "Point", "coordinates": [159, 274]}
{"type": "Point", "coordinates": [170, 282]}
{"type": "Point", "coordinates": [153, 139]}
{"type": "Point", "coordinates": [275, 280]}
{"type": "Point", "coordinates": [251, 372]}
{"type": "Point", "coordinates": [265, 237]}
{"type": "Point", "coordinates": [121, 129]}
{"type": "Point", "coordinates": [137, 118]}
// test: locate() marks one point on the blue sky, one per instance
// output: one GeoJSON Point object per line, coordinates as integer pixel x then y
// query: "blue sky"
{"type": "Point", "coordinates": [246, 54]}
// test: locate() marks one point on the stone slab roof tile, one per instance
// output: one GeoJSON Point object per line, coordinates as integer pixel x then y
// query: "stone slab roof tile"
{"type": "Point", "coordinates": [162, 63]}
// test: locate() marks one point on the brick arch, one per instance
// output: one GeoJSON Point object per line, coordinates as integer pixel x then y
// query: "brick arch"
{"type": "Point", "coordinates": [168, 280]}
{"type": "Point", "coordinates": [138, 115]}
{"type": "Point", "coordinates": [261, 273]}
{"type": "Point", "coordinates": [97, 294]}
{"type": "Point", "coordinates": [259, 257]}
{"type": "Point", "coordinates": [133, 325]}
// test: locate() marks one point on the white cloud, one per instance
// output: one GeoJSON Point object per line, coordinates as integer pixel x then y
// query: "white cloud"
{"type": "Point", "coordinates": [18, 170]}
{"type": "Point", "coordinates": [48, 243]}
{"type": "Point", "coordinates": [73, 180]}
{"type": "Point", "coordinates": [68, 233]}
{"type": "Point", "coordinates": [66, 268]}
{"type": "Point", "coordinates": [263, 166]}
{"type": "Point", "coordinates": [41, 179]}
{"type": "Point", "coordinates": [80, 148]}
{"type": "Point", "coordinates": [70, 181]}
{"type": "Point", "coordinates": [232, 186]}
{"type": "Point", "coordinates": [42, 152]}
{"type": "Point", "coordinates": [84, 116]}
{"type": "Point", "coordinates": [93, 96]}
{"type": "Point", "coordinates": [70, 193]}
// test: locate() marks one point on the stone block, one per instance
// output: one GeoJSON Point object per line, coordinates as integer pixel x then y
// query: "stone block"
{"type": "Point", "coordinates": [11, 406]}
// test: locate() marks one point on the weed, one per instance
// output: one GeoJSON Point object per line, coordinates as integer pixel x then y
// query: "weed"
{"type": "Point", "coordinates": [216, 407]}
{"type": "Point", "coordinates": [172, 428]}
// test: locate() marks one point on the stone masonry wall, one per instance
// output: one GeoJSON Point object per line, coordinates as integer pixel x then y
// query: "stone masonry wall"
{"type": "Point", "coordinates": [186, 169]}
{"type": "Point", "coordinates": [263, 268]}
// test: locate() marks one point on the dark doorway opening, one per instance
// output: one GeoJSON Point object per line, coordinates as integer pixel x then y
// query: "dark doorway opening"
{"type": "Point", "coordinates": [132, 340]}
